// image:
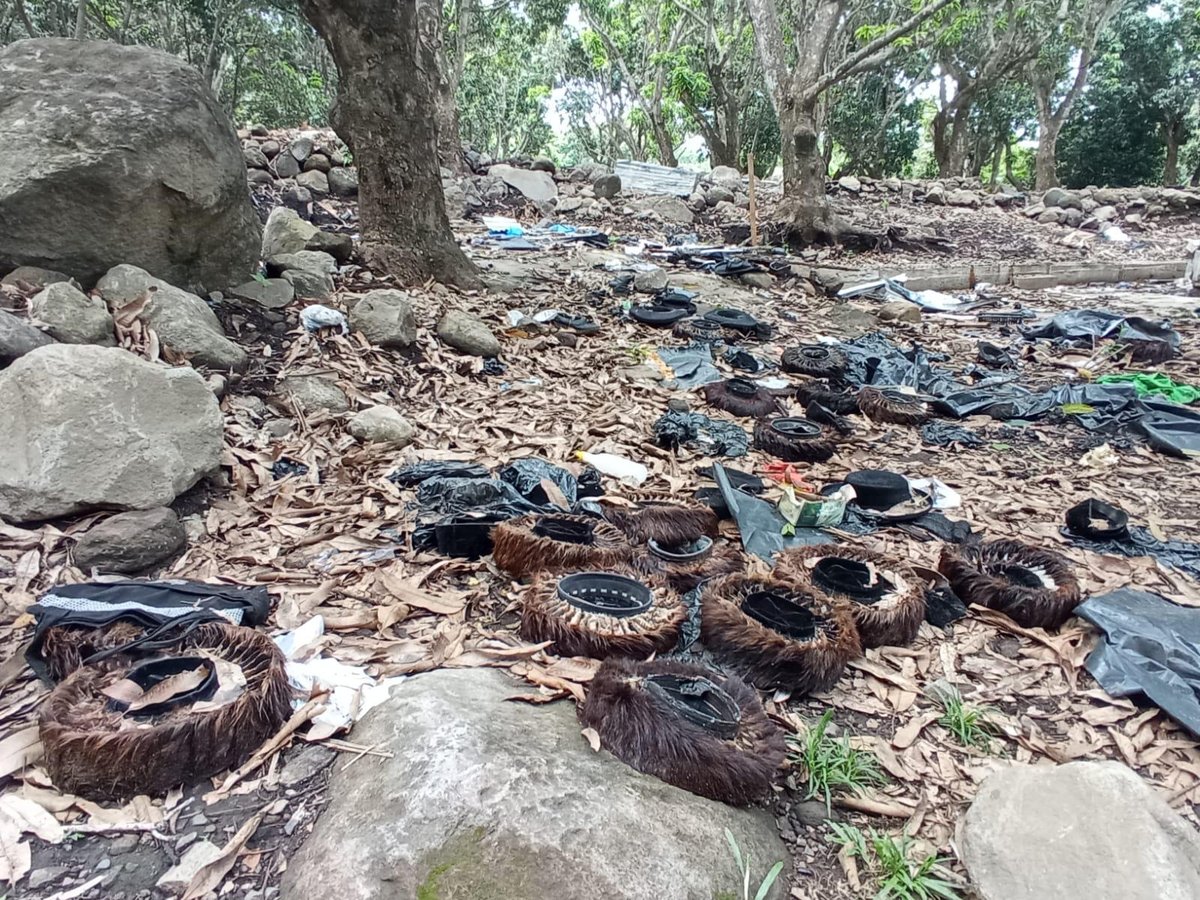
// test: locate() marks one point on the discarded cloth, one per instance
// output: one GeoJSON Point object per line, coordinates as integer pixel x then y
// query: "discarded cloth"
{"type": "Point", "coordinates": [692, 365]}
{"type": "Point", "coordinates": [1150, 646]}
{"type": "Point", "coordinates": [943, 434]}
{"type": "Point", "coordinates": [1155, 384]}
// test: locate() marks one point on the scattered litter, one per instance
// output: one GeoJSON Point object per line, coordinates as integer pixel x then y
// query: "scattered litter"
{"type": "Point", "coordinates": [650, 178]}
{"type": "Point", "coordinates": [1114, 234]}
{"type": "Point", "coordinates": [692, 366]}
{"type": "Point", "coordinates": [316, 317]}
{"type": "Point", "coordinates": [1150, 647]}
{"type": "Point", "coordinates": [413, 474]}
{"type": "Point", "coordinates": [503, 225]}
{"type": "Point", "coordinates": [284, 467]}
{"type": "Point", "coordinates": [807, 510]}
{"type": "Point", "coordinates": [1104, 528]}
{"type": "Point", "coordinates": [1152, 341]}
{"type": "Point", "coordinates": [1149, 384]}
{"type": "Point", "coordinates": [699, 433]}
{"type": "Point", "coordinates": [944, 496]}
{"type": "Point", "coordinates": [943, 434]}
{"type": "Point", "coordinates": [628, 471]}
{"type": "Point", "coordinates": [889, 289]}
{"type": "Point", "coordinates": [352, 692]}
{"type": "Point", "coordinates": [1101, 457]}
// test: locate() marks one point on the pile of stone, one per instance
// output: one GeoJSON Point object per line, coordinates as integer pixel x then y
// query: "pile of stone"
{"type": "Point", "coordinates": [313, 162]}
{"type": "Point", "coordinates": [1096, 210]}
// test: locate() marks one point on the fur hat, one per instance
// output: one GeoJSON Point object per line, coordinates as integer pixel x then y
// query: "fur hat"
{"type": "Point", "coordinates": [713, 738]}
{"type": "Point", "coordinates": [793, 439]}
{"type": "Point", "coordinates": [817, 360]}
{"type": "Point", "coordinates": [888, 612]}
{"type": "Point", "coordinates": [92, 751]}
{"type": "Point", "coordinates": [557, 543]}
{"type": "Point", "coordinates": [888, 405]}
{"type": "Point", "coordinates": [1035, 588]}
{"type": "Point", "coordinates": [778, 631]}
{"type": "Point", "coordinates": [685, 565]}
{"type": "Point", "coordinates": [664, 518]}
{"type": "Point", "coordinates": [741, 397]}
{"type": "Point", "coordinates": [643, 618]}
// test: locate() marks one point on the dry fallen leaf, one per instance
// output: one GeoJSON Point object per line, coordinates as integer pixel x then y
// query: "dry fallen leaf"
{"type": "Point", "coordinates": [15, 854]}
{"type": "Point", "coordinates": [593, 738]}
{"type": "Point", "coordinates": [209, 876]}
{"type": "Point", "coordinates": [30, 818]}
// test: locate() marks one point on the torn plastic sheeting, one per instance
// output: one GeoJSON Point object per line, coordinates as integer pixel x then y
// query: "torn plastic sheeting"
{"type": "Point", "coordinates": [1092, 324]}
{"type": "Point", "coordinates": [692, 366]}
{"type": "Point", "coordinates": [1150, 646]}
{"type": "Point", "coordinates": [1171, 428]}
{"type": "Point", "coordinates": [455, 495]}
{"type": "Point", "coordinates": [526, 475]}
{"type": "Point", "coordinates": [316, 317]}
{"type": "Point", "coordinates": [943, 434]}
{"type": "Point", "coordinates": [1181, 555]}
{"type": "Point", "coordinates": [415, 473]}
{"type": "Point", "coordinates": [699, 433]}
{"type": "Point", "coordinates": [352, 692]}
{"type": "Point", "coordinates": [894, 289]}
{"type": "Point", "coordinates": [759, 523]}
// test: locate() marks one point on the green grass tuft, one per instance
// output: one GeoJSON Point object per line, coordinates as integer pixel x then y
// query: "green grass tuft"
{"type": "Point", "coordinates": [830, 764]}
{"type": "Point", "coordinates": [889, 858]}
{"type": "Point", "coordinates": [971, 726]}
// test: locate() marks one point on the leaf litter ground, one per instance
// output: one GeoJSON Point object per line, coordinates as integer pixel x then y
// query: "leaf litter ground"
{"type": "Point", "coordinates": [337, 542]}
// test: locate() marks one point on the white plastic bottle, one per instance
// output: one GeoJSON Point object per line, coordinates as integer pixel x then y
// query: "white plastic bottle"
{"type": "Point", "coordinates": [633, 473]}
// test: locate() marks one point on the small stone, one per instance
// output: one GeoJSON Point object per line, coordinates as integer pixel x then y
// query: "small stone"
{"type": "Point", "coordinates": [762, 280]}
{"type": "Point", "coordinates": [718, 194]}
{"type": "Point", "coordinates": [1072, 217]}
{"type": "Point", "coordinates": [218, 383]}
{"type": "Point", "coordinates": [385, 318]}
{"type": "Point", "coordinates": [270, 149]}
{"type": "Point", "coordinates": [607, 186]}
{"type": "Point", "coordinates": [1105, 213]}
{"type": "Point", "coordinates": [650, 280]}
{"type": "Point", "coordinates": [271, 293]}
{"type": "Point", "coordinates": [179, 876]}
{"type": "Point", "coordinates": [314, 393]}
{"type": "Point", "coordinates": [279, 428]}
{"type": "Point", "coordinates": [131, 542]}
{"type": "Point", "coordinates": [343, 182]}
{"type": "Point", "coordinates": [299, 200]}
{"type": "Point", "coordinates": [34, 276]}
{"type": "Point", "coordinates": [669, 209]}
{"type": "Point", "coordinates": [318, 162]}
{"type": "Point", "coordinates": [381, 425]}
{"type": "Point", "coordinates": [309, 760]}
{"type": "Point", "coordinates": [315, 261]}
{"type": "Point", "coordinates": [850, 321]}
{"type": "Point", "coordinates": [285, 232]}
{"type": "Point", "coordinates": [286, 166]}
{"type": "Point", "coordinates": [104, 864]}
{"type": "Point", "coordinates": [468, 334]}
{"type": "Point", "coordinates": [850, 183]}
{"type": "Point", "coordinates": [339, 246]}
{"type": "Point", "coordinates": [317, 182]}
{"type": "Point", "coordinates": [44, 875]}
{"type": "Point", "coordinates": [544, 164]}
{"type": "Point", "coordinates": [1057, 197]}
{"type": "Point", "coordinates": [811, 813]}
{"type": "Point", "coordinates": [18, 337]}
{"type": "Point", "coordinates": [200, 820]}
{"type": "Point", "coordinates": [968, 199]}
{"type": "Point", "coordinates": [900, 311]}
{"type": "Point", "coordinates": [679, 404]}
{"type": "Point", "coordinates": [1051, 215]}
{"type": "Point", "coordinates": [567, 339]}
{"type": "Point", "coordinates": [259, 176]}
{"type": "Point", "coordinates": [300, 148]}
{"type": "Point", "coordinates": [936, 195]}
{"type": "Point", "coordinates": [255, 158]}
{"type": "Point", "coordinates": [310, 285]}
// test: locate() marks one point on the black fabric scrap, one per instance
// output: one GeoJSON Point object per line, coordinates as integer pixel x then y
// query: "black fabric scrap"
{"type": "Point", "coordinates": [699, 433]}
{"type": "Point", "coordinates": [1181, 555]}
{"type": "Point", "coordinates": [943, 434]}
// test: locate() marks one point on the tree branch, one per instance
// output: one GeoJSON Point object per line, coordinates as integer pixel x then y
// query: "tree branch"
{"type": "Point", "coordinates": [851, 64]}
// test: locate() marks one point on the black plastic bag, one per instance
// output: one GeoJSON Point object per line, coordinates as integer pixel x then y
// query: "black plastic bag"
{"type": "Point", "coordinates": [407, 476]}
{"type": "Point", "coordinates": [1089, 325]}
{"type": "Point", "coordinates": [943, 606]}
{"type": "Point", "coordinates": [451, 496]}
{"type": "Point", "coordinates": [701, 434]}
{"type": "Point", "coordinates": [1149, 647]}
{"type": "Point", "coordinates": [692, 365]}
{"type": "Point", "coordinates": [526, 476]}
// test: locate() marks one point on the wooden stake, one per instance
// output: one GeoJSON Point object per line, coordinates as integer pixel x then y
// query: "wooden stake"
{"type": "Point", "coordinates": [753, 203]}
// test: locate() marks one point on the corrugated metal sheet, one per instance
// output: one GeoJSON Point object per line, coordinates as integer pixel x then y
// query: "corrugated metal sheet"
{"type": "Point", "coordinates": [651, 178]}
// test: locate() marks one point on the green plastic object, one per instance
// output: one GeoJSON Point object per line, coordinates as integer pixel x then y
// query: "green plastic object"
{"type": "Point", "coordinates": [1150, 383]}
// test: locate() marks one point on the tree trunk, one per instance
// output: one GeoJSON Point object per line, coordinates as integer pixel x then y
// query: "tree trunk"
{"type": "Point", "coordinates": [1045, 166]}
{"type": "Point", "coordinates": [662, 139]}
{"type": "Point", "coordinates": [1171, 164]}
{"type": "Point", "coordinates": [386, 59]}
{"type": "Point", "coordinates": [950, 141]}
{"type": "Point", "coordinates": [805, 206]}
{"type": "Point", "coordinates": [81, 20]}
{"type": "Point", "coordinates": [450, 150]}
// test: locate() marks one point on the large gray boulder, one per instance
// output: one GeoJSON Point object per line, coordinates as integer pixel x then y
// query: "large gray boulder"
{"type": "Point", "coordinates": [1081, 831]}
{"type": "Point", "coordinates": [94, 427]}
{"type": "Point", "coordinates": [385, 317]}
{"type": "Point", "coordinates": [184, 323]}
{"type": "Point", "coordinates": [18, 337]}
{"type": "Point", "coordinates": [533, 185]}
{"type": "Point", "coordinates": [71, 316]}
{"type": "Point", "coordinates": [124, 155]}
{"type": "Point", "coordinates": [484, 797]}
